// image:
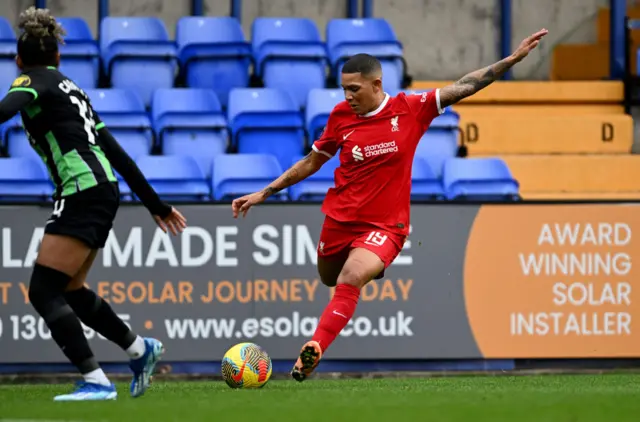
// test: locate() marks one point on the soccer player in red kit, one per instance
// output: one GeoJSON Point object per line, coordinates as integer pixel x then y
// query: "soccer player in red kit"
{"type": "Point", "coordinates": [367, 212]}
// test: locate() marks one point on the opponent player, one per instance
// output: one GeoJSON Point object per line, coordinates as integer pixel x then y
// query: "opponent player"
{"type": "Point", "coordinates": [79, 152]}
{"type": "Point", "coordinates": [367, 212]}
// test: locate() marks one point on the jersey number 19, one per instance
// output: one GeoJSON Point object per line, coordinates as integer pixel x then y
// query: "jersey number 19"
{"type": "Point", "coordinates": [87, 116]}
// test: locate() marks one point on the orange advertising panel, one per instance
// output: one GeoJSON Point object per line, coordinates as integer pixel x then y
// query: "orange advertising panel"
{"type": "Point", "coordinates": [554, 281]}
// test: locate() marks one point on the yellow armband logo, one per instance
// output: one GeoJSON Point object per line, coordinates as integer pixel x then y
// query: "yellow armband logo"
{"type": "Point", "coordinates": [22, 80]}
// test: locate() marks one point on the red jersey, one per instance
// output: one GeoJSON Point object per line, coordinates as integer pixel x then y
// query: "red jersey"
{"type": "Point", "coordinates": [373, 181]}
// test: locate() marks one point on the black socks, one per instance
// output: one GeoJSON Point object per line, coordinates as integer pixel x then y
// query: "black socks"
{"type": "Point", "coordinates": [46, 295]}
{"type": "Point", "coordinates": [97, 314]}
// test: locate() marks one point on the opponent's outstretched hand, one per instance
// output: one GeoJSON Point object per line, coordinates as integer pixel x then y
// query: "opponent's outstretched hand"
{"type": "Point", "coordinates": [242, 204]}
{"type": "Point", "coordinates": [528, 44]}
{"type": "Point", "coordinates": [174, 222]}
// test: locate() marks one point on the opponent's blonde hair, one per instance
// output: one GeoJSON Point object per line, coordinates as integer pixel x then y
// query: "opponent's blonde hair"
{"type": "Point", "coordinates": [38, 23]}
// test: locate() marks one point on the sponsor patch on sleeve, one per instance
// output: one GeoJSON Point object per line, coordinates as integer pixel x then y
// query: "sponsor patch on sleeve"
{"type": "Point", "coordinates": [22, 80]}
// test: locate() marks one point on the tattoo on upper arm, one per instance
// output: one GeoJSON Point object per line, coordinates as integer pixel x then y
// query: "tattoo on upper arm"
{"type": "Point", "coordinates": [473, 82]}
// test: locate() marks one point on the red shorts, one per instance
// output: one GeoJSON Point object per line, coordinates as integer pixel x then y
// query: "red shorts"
{"type": "Point", "coordinates": [337, 239]}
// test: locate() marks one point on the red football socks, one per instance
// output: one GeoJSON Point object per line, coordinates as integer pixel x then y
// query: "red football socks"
{"type": "Point", "coordinates": [337, 314]}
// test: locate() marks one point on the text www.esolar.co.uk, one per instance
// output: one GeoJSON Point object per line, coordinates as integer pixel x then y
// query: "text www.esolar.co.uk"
{"type": "Point", "coordinates": [295, 325]}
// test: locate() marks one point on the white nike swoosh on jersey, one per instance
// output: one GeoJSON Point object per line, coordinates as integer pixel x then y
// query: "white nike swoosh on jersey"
{"type": "Point", "coordinates": [344, 137]}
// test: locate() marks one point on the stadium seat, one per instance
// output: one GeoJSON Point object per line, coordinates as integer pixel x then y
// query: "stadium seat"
{"type": "Point", "coordinates": [235, 175]}
{"type": "Point", "coordinates": [80, 57]}
{"type": "Point", "coordinates": [440, 142]}
{"type": "Point", "coordinates": [570, 177]}
{"type": "Point", "coordinates": [213, 54]}
{"type": "Point", "coordinates": [489, 134]}
{"type": "Point", "coordinates": [289, 55]}
{"type": "Point", "coordinates": [18, 145]}
{"type": "Point", "coordinates": [479, 179]}
{"type": "Point", "coordinates": [176, 178]}
{"type": "Point", "coordinates": [190, 121]}
{"type": "Point", "coordinates": [8, 69]}
{"type": "Point", "coordinates": [266, 121]}
{"type": "Point", "coordinates": [15, 141]}
{"type": "Point", "coordinates": [320, 102]}
{"type": "Point", "coordinates": [540, 92]}
{"type": "Point", "coordinates": [126, 195]}
{"type": "Point", "coordinates": [375, 36]}
{"type": "Point", "coordinates": [315, 187]}
{"type": "Point", "coordinates": [123, 112]}
{"type": "Point", "coordinates": [12, 133]}
{"type": "Point", "coordinates": [24, 179]}
{"type": "Point", "coordinates": [137, 54]}
{"type": "Point", "coordinates": [425, 184]}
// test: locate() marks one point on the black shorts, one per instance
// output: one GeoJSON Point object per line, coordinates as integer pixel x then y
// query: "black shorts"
{"type": "Point", "coordinates": [87, 216]}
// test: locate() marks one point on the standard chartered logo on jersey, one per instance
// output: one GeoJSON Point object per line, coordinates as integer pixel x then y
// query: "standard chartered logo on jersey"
{"type": "Point", "coordinates": [374, 150]}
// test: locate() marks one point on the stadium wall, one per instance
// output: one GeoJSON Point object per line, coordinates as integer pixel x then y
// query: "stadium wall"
{"type": "Point", "coordinates": [443, 39]}
{"type": "Point", "coordinates": [476, 288]}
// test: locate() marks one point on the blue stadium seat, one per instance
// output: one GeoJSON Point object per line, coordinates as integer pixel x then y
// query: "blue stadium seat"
{"type": "Point", "coordinates": [80, 57]}
{"type": "Point", "coordinates": [176, 178]}
{"type": "Point", "coordinates": [319, 105]}
{"type": "Point", "coordinates": [479, 179]}
{"type": "Point", "coordinates": [126, 195]}
{"type": "Point", "coordinates": [235, 175]}
{"type": "Point", "coordinates": [425, 184]}
{"type": "Point", "coordinates": [440, 141]}
{"type": "Point", "coordinates": [137, 54]}
{"type": "Point", "coordinates": [315, 187]}
{"type": "Point", "coordinates": [266, 121]}
{"type": "Point", "coordinates": [213, 54]}
{"type": "Point", "coordinates": [15, 140]}
{"type": "Point", "coordinates": [24, 179]}
{"type": "Point", "coordinates": [124, 114]}
{"type": "Point", "coordinates": [375, 36]}
{"type": "Point", "coordinates": [190, 121]}
{"type": "Point", "coordinates": [18, 145]}
{"type": "Point", "coordinates": [8, 69]}
{"type": "Point", "coordinates": [289, 55]}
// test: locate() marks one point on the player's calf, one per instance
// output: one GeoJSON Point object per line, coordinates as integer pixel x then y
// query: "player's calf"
{"type": "Point", "coordinates": [97, 314]}
{"type": "Point", "coordinates": [361, 266]}
{"type": "Point", "coordinates": [46, 295]}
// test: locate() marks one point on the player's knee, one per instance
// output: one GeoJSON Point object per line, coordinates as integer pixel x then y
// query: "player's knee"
{"type": "Point", "coordinates": [353, 275]}
{"type": "Point", "coordinates": [45, 292]}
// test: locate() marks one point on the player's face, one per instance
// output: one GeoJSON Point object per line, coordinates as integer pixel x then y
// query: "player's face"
{"type": "Point", "coordinates": [19, 63]}
{"type": "Point", "coordinates": [361, 93]}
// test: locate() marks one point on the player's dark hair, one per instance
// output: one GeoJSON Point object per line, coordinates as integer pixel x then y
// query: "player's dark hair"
{"type": "Point", "coordinates": [38, 43]}
{"type": "Point", "coordinates": [362, 63]}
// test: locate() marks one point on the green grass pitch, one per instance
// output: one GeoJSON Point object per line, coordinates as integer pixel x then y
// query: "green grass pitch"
{"type": "Point", "coordinates": [579, 398]}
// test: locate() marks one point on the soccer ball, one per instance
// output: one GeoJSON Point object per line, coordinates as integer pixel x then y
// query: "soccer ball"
{"type": "Point", "coordinates": [246, 365]}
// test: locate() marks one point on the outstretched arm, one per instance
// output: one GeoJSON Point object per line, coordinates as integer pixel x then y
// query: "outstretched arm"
{"type": "Point", "coordinates": [166, 216]}
{"type": "Point", "coordinates": [479, 79]}
{"type": "Point", "coordinates": [298, 172]}
{"type": "Point", "coordinates": [124, 164]}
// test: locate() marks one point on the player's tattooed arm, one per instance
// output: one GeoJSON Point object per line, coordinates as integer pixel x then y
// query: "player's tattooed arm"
{"type": "Point", "coordinates": [479, 79]}
{"type": "Point", "coordinates": [474, 82]}
{"type": "Point", "coordinates": [299, 171]}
